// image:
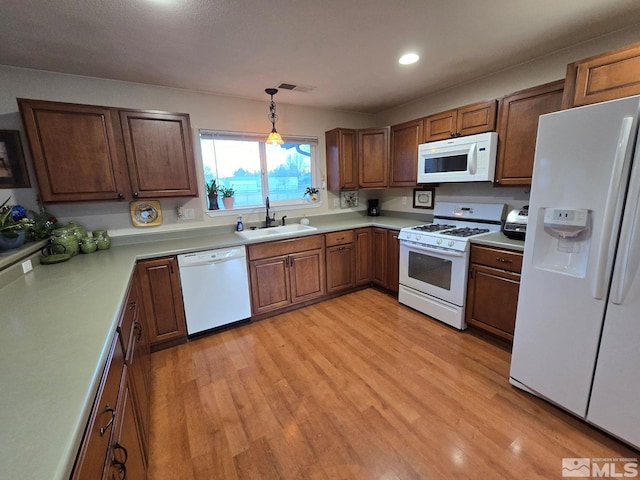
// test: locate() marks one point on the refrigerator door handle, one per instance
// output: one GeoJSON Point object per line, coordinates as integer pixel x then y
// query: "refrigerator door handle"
{"type": "Point", "coordinates": [613, 206]}
{"type": "Point", "coordinates": [628, 259]}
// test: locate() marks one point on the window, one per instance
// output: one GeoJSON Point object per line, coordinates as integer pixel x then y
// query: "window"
{"type": "Point", "coordinates": [256, 170]}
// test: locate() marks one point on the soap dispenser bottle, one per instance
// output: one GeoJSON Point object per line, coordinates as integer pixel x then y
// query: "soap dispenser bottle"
{"type": "Point", "coordinates": [239, 225]}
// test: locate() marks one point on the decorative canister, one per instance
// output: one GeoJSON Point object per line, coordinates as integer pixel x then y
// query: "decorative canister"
{"type": "Point", "coordinates": [102, 239]}
{"type": "Point", "coordinates": [63, 236]}
{"type": "Point", "coordinates": [88, 245]}
{"type": "Point", "coordinates": [78, 230]}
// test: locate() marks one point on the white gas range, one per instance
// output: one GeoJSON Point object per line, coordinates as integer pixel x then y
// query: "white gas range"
{"type": "Point", "coordinates": [434, 258]}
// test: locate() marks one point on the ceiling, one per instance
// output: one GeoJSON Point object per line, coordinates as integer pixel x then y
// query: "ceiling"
{"type": "Point", "coordinates": [346, 50]}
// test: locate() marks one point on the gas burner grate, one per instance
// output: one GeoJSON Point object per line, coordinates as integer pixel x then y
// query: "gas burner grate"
{"type": "Point", "coordinates": [433, 227]}
{"type": "Point", "coordinates": [465, 232]}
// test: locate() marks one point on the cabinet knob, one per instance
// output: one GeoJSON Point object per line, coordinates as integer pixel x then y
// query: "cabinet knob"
{"type": "Point", "coordinates": [120, 196]}
{"type": "Point", "coordinates": [135, 194]}
{"type": "Point", "coordinates": [503, 260]}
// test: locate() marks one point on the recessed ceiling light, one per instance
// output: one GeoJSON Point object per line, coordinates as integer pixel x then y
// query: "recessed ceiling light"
{"type": "Point", "coordinates": [409, 58]}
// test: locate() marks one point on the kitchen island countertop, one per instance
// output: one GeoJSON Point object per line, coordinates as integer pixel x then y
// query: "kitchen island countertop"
{"type": "Point", "coordinates": [57, 324]}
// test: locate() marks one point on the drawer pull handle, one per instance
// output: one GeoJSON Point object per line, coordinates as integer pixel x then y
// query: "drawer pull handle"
{"type": "Point", "coordinates": [503, 260]}
{"type": "Point", "coordinates": [104, 429]}
{"type": "Point", "coordinates": [338, 239]}
{"type": "Point", "coordinates": [122, 467]}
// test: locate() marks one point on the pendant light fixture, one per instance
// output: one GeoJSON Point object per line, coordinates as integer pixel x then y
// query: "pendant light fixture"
{"type": "Point", "coordinates": [274, 137]}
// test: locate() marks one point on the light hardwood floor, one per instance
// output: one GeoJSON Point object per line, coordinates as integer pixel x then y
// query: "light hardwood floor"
{"type": "Point", "coordinates": [357, 387]}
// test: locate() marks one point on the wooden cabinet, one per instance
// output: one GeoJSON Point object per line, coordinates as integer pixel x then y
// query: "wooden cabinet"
{"type": "Point", "coordinates": [405, 139]}
{"type": "Point", "coordinates": [286, 272]}
{"type": "Point", "coordinates": [92, 457]}
{"type": "Point", "coordinates": [162, 300]}
{"type": "Point", "coordinates": [94, 153]}
{"type": "Point", "coordinates": [603, 77]}
{"type": "Point", "coordinates": [364, 255]}
{"type": "Point", "coordinates": [341, 260]}
{"type": "Point", "coordinates": [126, 458]}
{"type": "Point", "coordinates": [342, 159]}
{"type": "Point", "coordinates": [373, 157]}
{"type": "Point", "coordinates": [115, 440]}
{"type": "Point", "coordinates": [518, 115]}
{"type": "Point", "coordinates": [76, 151]}
{"type": "Point", "coordinates": [492, 291]}
{"type": "Point", "coordinates": [159, 154]}
{"type": "Point", "coordinates": [386, 258]}
{"type": "Point", "coordinates": [467, 120]}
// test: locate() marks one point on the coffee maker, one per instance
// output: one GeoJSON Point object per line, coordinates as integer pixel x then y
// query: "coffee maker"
{"type": "Point", "coordinates": [373, 210]}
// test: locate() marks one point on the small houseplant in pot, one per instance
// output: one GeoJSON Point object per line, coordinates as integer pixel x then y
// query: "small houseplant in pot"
{"type": "Point", "coordinates": [227, 196]}
{"type": "Point", "coordinates": [312, 192]}
{"type": "Point", "coordinates": [13, 223]}
{"type": "Point", "coordinates": [212, 194]}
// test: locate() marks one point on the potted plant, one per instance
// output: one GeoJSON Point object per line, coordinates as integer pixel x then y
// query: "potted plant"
{"type": "Point", "coordinates": [227, 196]}
{"type": "Point", "coordinates": [312, 192]}
{"type": "Point", "coordinates": [13, 223]}
{"type": "Point", "coordinates": [212, 194]}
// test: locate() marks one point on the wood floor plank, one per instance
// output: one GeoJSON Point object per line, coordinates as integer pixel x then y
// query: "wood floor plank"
{"type": "Point", "coordinates": [356, 387]}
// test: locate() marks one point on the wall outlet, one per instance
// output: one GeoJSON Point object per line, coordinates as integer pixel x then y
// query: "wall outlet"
{"type": "Point", "coordinates": [336, 203]}
{"type": "Point", "coordinates": [27, 266]}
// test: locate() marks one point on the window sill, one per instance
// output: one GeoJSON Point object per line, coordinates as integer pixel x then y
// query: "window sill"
{"type": "Point", "coordinates": [248, 210]}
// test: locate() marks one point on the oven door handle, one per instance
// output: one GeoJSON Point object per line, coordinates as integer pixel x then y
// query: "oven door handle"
{"type": "Point", "coordinates": [433, 250]}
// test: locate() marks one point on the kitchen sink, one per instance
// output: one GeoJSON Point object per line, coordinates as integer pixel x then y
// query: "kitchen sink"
{"type": "Point", "coordinates": [274, 232]}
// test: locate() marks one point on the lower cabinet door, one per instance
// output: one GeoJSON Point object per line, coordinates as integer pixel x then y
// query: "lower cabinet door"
{"type": "Point", "coordinates": [492, 300]}
{"type": "Point", "coordinates": [126, 454]}
{"type": "Point", "coordinates": [269, 284]}
{"type": "Point", "coordinates": [340, 267]}
{"type": "Point", "coordinates": [306, 272]}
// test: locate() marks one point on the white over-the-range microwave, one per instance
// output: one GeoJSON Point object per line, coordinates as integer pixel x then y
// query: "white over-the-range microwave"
{"type": "Point", "coordinates": [463, 159]}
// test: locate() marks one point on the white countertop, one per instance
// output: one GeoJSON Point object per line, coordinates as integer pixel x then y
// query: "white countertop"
{"type": "Point", "coordinates": [57, 324]}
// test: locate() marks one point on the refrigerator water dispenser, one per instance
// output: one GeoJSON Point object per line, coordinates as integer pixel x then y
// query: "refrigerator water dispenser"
{"type": "Point", "coordinates": [562, 246]}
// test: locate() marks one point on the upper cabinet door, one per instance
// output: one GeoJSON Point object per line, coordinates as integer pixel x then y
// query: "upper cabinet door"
{"type": "Point", "coordinates": [159, 154]}
{"type": "Point", "coordinates": [405, 139]}
{"type": "Point", "coordinates": [469, 120]}
{"type": "Point", "coordinates": [75, 152]}
{"type": "Point", "coordinates": [518, 130]}
{"type": "Point", "coordinates": [373, 157]}
{"type": "Point", "coordinates": [440, 126]}
{"type": "Point", "coordinates": [603, 77]}
{"type": "Point", "coordinates": [342, 159]}
{"type": "Point", "coordinates": [477, 118]}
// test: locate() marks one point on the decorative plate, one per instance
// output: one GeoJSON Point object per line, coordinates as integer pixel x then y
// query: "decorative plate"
{"type": "Point", "coordinates": [146, 213]}
{"type": "Point", "coordinates": [348, 198]}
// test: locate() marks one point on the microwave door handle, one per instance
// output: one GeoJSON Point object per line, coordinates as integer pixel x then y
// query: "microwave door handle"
{"type": "Point", "coordinates": [472, 160]}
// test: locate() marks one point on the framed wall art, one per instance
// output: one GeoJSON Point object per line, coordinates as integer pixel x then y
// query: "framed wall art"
{"type": "Point", "coordinates": [424, 197]}
{"type": "Point", "coordinates": [13, 169]}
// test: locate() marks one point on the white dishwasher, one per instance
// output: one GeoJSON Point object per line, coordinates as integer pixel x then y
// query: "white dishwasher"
{"type": "Point", "coordinates": [215, 288]}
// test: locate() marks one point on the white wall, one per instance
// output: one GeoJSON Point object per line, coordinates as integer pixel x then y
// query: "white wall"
{"type": "Point", "coordinates": [206, 111]}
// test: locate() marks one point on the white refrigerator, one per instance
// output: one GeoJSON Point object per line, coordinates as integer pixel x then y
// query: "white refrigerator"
{"type": "Point", "coordinates": [577, 334]}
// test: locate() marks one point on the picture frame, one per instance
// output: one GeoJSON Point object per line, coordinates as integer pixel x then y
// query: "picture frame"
{"type": "Point", "coordinates": [13, 169]}
{"type": "Point", "coordinates": [424, 197]}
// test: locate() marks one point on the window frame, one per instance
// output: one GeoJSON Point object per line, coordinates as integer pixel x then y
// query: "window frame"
{"type": "Point", "coordinates": [291, 204]}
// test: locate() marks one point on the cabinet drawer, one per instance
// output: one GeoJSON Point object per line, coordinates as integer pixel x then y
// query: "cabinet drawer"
{"type": "Point", "coordinates": [284, 247]}
{"type": "Point", "coordinates": [338, 238]}
{"type": "Point", "coordinates": [497, 258]}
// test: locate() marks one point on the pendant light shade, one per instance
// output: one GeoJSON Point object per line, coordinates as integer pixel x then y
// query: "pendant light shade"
{"type": "Point", "coordinates": [274, 137]}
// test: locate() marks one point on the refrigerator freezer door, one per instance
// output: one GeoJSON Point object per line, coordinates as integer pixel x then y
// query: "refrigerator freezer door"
{"type": "Point", "coordinates": [559, 321]}
{"type": "Point", "coordinates": [616, 386]}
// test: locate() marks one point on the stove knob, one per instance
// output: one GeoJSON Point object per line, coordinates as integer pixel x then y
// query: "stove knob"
{"type": "Point", "coordinates": [451, 243]}
{"type": "Point", "coordinates": [417, 237]}
{"type": "Point", "coordinates": [439, 241]}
